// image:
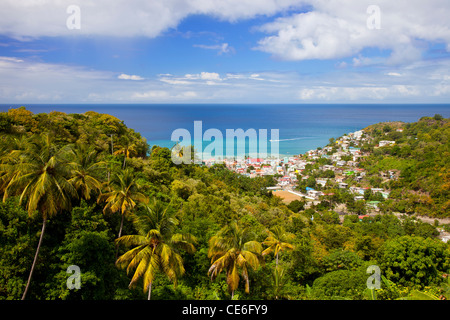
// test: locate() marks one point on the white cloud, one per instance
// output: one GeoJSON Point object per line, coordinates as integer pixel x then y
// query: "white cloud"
{"type": "Point", "coordinates": [36, 18]}
{"type": "Point", "coordinates": [394, 74]}
{"type": "Point", "coordinates": [209, 76]}
{"type": "Point", "coordinates": [223, 48]}
{"type": "Point", "coordinates": [124, 76]}
{"type": "Point", "coordinates": [335, 29]}
{"type": "Point", "coordinates": [27, 81]}
{"type": "Point", "coordinates": [206, 77]}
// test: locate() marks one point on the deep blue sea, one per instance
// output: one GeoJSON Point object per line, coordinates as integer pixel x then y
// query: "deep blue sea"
{"type": "Point", "coordinates": [301, 127]}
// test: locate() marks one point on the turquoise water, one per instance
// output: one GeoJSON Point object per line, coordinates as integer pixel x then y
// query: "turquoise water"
{"type": "Point", "coordinates": [301, 127]}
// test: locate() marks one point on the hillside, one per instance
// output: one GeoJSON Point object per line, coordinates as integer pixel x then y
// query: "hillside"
{"type": "Point", "coordinates": [84, 190]}
{"type": "Point", "coordinates": [421, 154]}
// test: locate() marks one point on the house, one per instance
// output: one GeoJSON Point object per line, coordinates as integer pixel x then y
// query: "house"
{"type": "Point", "coordinates": [254, 160]}
{"type": "Point", "coordinates": [357, 190]}
{"type": "Point", "coordinates": [373, 204]}
{"type": "Point", "coordinates": [327, 167]}
{"type": "Point", "coordinates": [383, 143]}
{"type": "Point", "coordinates": [314, 193]}
{"type": "Point", "coordinates": [322, 182]}
{"type": "Point", "coordinates": [343, 185]}
{"type": "Point", "coordinates": [358, 134]}
{"type": "Point", "coordinates": [352, 163]}
{"type": "Point", "coordinates": [354, 150]}
{"type": "Point", "coordinates": [356, 198]}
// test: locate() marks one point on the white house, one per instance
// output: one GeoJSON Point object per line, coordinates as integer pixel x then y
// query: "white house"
{"type": "Point", "coordinates": [314, 193]}
{"type": "Point", "coordinates": [383, 143]}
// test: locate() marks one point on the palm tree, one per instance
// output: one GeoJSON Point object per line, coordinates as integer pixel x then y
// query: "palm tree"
{"type": "Point", "coordinates": [277, 241]}
{"type": "Point", "coordinates": [156, 247]}
{"type": "Point", "coordinates": [11, 149]}
{"type": "Point", "coordinates": [232, 249]}
{"type": "Point", "coordinates": [127, 148]}
{"type": "Point", "coordinates": [40, 177]}
{"type": "Point", "coordinates": [85, 170]}
{"type": "Point", "coordinates": [123, 195]}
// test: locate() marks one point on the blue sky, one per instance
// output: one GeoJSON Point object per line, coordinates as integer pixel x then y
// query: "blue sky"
{"type": "Point", "coordinates": [225, 51]}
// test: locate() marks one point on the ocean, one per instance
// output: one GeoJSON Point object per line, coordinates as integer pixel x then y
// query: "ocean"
{"type": "Point", "coordinates": [300, 127]}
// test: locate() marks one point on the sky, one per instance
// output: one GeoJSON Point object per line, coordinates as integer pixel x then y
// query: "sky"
{"type": "Point", "coordinates": [224, 51]}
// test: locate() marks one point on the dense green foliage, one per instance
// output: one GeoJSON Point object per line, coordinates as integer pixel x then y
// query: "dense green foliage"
{"type": "Point", "coordinates": [422, 155]}
{"type": "Point", "coordinates": [194, 232]}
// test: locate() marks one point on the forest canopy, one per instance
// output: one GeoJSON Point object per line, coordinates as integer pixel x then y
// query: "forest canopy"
{"type": "Point", "coordinates": [85, 190]}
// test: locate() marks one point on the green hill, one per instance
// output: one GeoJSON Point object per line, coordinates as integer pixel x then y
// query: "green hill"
{"type": "Point", "coordinates": [85, 191]}
{"type": "Point", "coordinates": [422, 155]}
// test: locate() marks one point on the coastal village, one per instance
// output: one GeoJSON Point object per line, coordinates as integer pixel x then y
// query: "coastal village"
{"type": "Point", "coordinates": [343, 161]}
{"type": "Point", "coordinates": [343, 157]}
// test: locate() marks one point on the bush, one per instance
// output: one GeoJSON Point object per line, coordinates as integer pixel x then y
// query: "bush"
{"type": "Point", "coordinates": [341, 260]}
{"type": "Point", "coordinates": [341, 284]}
{"type": "Point", "coordinates": [414, 261]}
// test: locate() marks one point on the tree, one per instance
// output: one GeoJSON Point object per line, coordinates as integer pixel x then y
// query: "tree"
{"type": "Point", "coordinates": [296, 205]}
{"type": "Point", "coordinates": [232, 249]}
{"type": "Point", "coordinates": [341, 284]}
{"type": "Point", "coordinates": [41, 179]}
{"type": "Point", "coordinates": [127, 148]}
{"type": "Point", "coordinates": [123, 195]}
{"type": "Point", "coordinates": [85, 170]}
{"type": "Point", "coordinates": [277, 241]}
{"type": "Point", "coordinates": [156, 247]}
{"type": "Point", "coordinates": [414, 261]}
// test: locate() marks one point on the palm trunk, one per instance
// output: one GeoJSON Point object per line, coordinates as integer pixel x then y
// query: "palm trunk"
{"type": "Point", "coordinates": [35, 259]}
{"type": "Point", "coordinates": [276, 275]}
{"type": "Point", "coordinates": [149, 290]}
{"type": "Point", "coordinates": [120, 234]}
{"type": "Point", "coordinates": [276, 265]}
{"type": "Point", "coordinates": [121, 226]}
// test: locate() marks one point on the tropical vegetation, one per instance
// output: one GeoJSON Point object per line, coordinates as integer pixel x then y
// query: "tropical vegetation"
{"type": "Point", "coordinates": [85, 190]}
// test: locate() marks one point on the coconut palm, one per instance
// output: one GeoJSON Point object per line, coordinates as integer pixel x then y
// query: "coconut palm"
{"type": "Point", "coordinates": [40, 178]}
{"type": "Point", "coordinates": [123, 195]}
{"type": "Point", "coordinates": [127, 148]}
{"type": "Point", "coordinates": [156, 247]}
{"type": "Point", "coordinates": [277, 241]}
{"type": "Point", "coordinates": [85, 170]}
{"type": "Point", "coordinates": [232, 249]}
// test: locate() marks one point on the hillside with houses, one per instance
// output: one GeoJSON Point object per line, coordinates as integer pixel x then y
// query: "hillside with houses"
{"type": "Point", "coordinates": [367, 172]}
{"type": "Point", "coordinates": [70, 197]}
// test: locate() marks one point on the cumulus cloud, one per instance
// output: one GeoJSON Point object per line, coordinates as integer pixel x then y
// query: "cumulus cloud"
{"type": "Point", "coordinates": [36, 18]}
{"type": "Point", "coordinates": [209, 78]}
{"type": "Point", "coordinates": [124, 76]}
{"type": "Point", "coordinates": [335, 29]}
{"type": "Point", "coordinates": [24, 80]}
